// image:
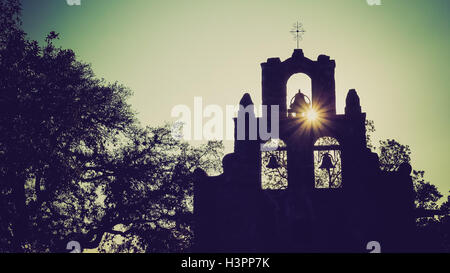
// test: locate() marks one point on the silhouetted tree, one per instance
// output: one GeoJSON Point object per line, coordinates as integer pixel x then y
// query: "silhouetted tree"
{"type": "Point", "coordinates": [370, 128]}
{"type": "Point", "coordinates": [426, 193]}
{"type": "Point", "coordinates": [74, 163]}
{"type": "Point", "coordinates": [144, 192]}
{"type": "Point", "coordinates": [51, 106]}
{"type": "Point", "coordinates": [433, 231]}
{"type": "Point", "coordinates": [392, 154]}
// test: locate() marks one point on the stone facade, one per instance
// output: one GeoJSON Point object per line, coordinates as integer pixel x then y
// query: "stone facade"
{"type": "Point", "coordinates": [233, 213]}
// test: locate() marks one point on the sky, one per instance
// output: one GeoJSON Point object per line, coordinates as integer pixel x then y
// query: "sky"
{"type": "Point", "coordinates": [396, 55]}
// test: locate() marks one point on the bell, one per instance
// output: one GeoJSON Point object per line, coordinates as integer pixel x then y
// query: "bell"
{"type": "Point", "coordinates": [273, 163]}
{"type": "Point", "coordinates": [298, 103]}
{"type": "Point", "coordinates": [326, 162]}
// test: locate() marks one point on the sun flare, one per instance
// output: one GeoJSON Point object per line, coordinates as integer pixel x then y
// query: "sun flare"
{"type": "Point", "coordinates": [312, 115]}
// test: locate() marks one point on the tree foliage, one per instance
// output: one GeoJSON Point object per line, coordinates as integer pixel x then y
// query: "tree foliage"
{"type": "Point", "coordinates": [426, 193]}
{"type": "Point", "coordinates": [75, 164]}
{"type": "Point", "coordinates": [370, 128]}
{"type": "Point", "coordinates": [433, 231]}
{"type": "Point", "coordinates": [392, 154]}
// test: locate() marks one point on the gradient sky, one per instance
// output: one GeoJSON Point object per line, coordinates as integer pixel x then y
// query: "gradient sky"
{"type": "Point", "coordinates": [395, 55]}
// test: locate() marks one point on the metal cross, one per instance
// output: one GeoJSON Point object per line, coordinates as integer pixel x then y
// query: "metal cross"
{"type": "Point", "coordinates": [297, 31]}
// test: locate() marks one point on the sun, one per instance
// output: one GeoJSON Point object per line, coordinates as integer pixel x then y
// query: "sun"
{"type": "Point", "coordinates": [312, 115]}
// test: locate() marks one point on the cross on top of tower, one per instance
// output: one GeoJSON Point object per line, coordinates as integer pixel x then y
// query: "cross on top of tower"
{"type": "Point", "coordinates": [297, 31]}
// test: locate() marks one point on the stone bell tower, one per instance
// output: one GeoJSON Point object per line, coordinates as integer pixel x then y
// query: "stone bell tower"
{"type": "Point", "coordinates": [275, 75]}
{"type": "Point", "coordinates": [322, 210]}
{"type": "Point", "coordinates": [336, 198]}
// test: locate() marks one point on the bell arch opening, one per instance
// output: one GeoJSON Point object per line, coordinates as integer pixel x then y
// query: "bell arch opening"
{"type": "Point", "coordinates": [274, 174]}
{"type": "Point", "coordinates": [298, 81]}
{"type": "Point", "coordinates": [327, 163]}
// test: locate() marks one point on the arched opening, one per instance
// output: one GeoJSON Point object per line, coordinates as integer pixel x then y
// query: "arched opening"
{"type": "Point", "coordinates": [296, 82]}
{"type": "Point", "coordinates": [327, 163]}
{"type": "Point", "coordinates": [274, 175]}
